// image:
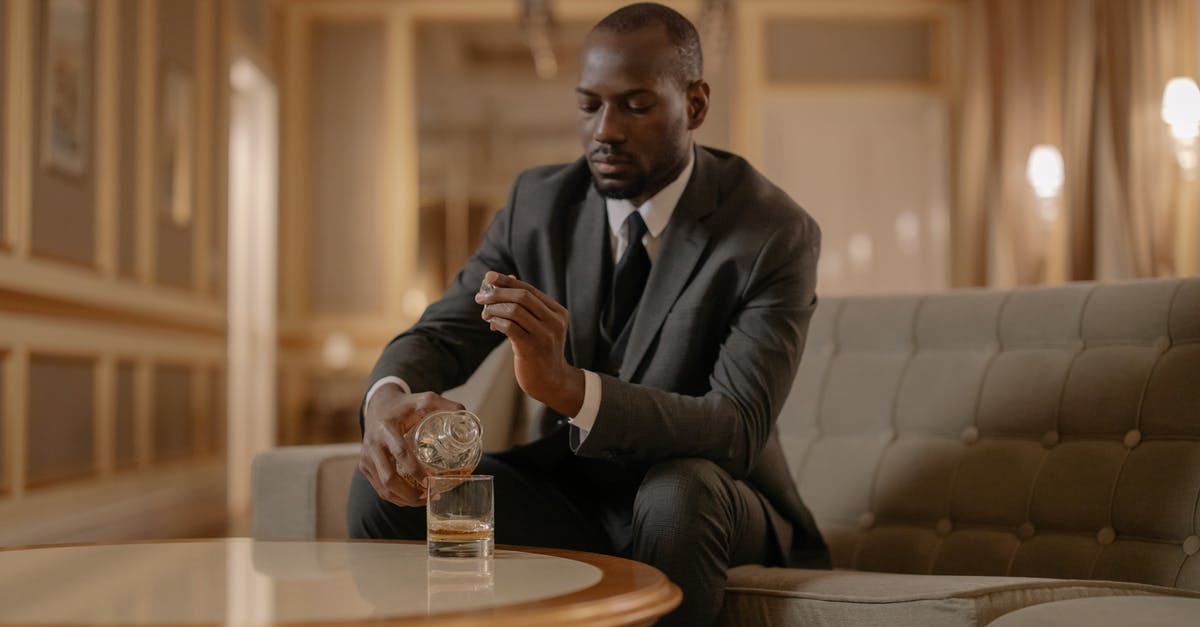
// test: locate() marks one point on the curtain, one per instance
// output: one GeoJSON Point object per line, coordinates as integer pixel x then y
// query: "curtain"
{"type": "Point", "coordinates": [1144, 44]}
{"type": "Point", "coordinates": [1085, 76]}
{"type": "Point", "coordinates": [1030, 81]}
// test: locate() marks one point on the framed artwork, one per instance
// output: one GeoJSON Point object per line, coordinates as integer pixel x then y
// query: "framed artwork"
{"type": "Point", "coordinates": [178, 141]}
{"type": "Point", "coordinates": [66, 87]}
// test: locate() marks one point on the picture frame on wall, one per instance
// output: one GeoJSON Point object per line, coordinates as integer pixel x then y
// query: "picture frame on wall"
{"type": "Point", "coordinates": [178, 130]}
{"type": "Point", "coordinates": [66, 87]}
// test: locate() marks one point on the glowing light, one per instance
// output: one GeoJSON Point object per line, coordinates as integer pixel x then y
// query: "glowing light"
{"type": "Point", "coordinates": [1045, 170]}
{"type": "Point", "coordinates": [338, 350]}
{"type": "Point", "coordinates": [908, 232]}
{"type": "Point", "coordinates": [1181, 107]}
{"type": "Point", "coordinates": [861, 250]}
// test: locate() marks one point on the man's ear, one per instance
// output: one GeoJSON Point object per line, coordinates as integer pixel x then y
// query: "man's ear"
{"type": "Point", "coordinates": [697, 104]}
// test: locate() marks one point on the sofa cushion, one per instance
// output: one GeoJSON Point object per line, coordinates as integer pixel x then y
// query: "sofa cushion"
{"type": "Point", "coordinates": [756, 595]}
{"type": "Point", "coordinates": [1038, 432]}
{"type": "Point", "coordinates": [1115, 611]}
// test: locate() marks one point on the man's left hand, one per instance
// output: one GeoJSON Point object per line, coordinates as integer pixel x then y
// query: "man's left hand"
{"type": "Point", "coordinates": [537, 327]}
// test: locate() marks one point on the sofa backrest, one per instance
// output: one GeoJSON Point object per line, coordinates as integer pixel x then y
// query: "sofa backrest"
{"type": "Point", "coordinates": [1047, 432]}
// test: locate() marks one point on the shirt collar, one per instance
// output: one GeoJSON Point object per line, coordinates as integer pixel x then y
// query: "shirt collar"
{"type": "Point", "coordinates": [657, 209]}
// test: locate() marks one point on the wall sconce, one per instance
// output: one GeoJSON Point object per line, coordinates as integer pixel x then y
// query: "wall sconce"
{"type": "Point", "coordinates": [338, 351]}
{"type": "Point", "coordinates": [1181, 110]}
{"type": "Point", "coordinates": [1045, 172]}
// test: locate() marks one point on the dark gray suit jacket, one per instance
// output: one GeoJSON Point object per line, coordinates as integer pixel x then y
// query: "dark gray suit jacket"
{"type": "Point", "coordinates": [715, 342]}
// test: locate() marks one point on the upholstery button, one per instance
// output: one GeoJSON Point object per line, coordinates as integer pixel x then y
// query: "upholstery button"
{"type": "Point", "coordinates": [1050, 439]}
{"type": "Point", "coordinates": [887, 435]}
{"type": "Point", "coordinates": [970, 435]}
{"type": "Point", "coordinates": [944, 527]}
{"type": "Point", "coordinates": [1191, 545]}
{"type": "Point", "coordinates": [1026, 530]}
{"type": "Point", "coordinates": [866, 521]}
{"type": "Point", "coordinates": [1133, 438]}
{"type": "Point", "coordinates": [1162, 344]}
{"type": "Point", "coordinates": [1106, 536]}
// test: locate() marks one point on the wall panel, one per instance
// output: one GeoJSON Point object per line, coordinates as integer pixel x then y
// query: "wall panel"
{"type": "Point", "coordinates": [218, 408]}
{"type": "Point", "coordinates": [849, 51]}
{"type": "Point", "coordinates": [126, 436]}
{"type": "Point", "coordinates": [127, 105]}
{"type": "Point", "coordinates": [61, 419]}
{"type": "Point", "coordinates": [173, 414]}
{"type": "Point", "coordinates": [347, 114]}
{"type": "Point", "coordinates": [63, 202]}
{"type": "Point", "coordinates": [4, 479]}
{"type": "Point", "coordinates": [177, 58]}
{"type": "Point", "coordinates": [3, 129]}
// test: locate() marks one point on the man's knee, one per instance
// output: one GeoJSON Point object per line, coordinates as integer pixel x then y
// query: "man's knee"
{"type": "Point", "coordinates": [680, 493]}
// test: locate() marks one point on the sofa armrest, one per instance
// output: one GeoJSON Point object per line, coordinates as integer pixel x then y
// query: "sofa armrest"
{"type": "Point", "coordinates": [299, 492]}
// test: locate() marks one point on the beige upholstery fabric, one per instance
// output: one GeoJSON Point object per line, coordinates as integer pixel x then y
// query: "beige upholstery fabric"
{"type": "Point", "coordinates": [777, 596]}
{"type": "Point", "coordinates": [1158, 612]}
{"type": "Point", "coordinates": [1050, 432]}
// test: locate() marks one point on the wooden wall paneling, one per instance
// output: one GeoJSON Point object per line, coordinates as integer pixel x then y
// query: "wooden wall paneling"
{"type": "Point", "coordinates": [16, 386]}
{"type": "Point", "coordinates": [294, 168]}
{"type": "Point", "coordinates": [202, 410]}
{"type": "Point", "coordinates": [4, 454]}
{"type": "Point", "coordinates": [19, 134]}
{"type": "Point", "coordinates": [125, 445]}
{"type": "Point", "coordinates": [218, 410]}
{"type": "Point", "coordinates": [128, 77]}
{"type": "Point", "coordinates": [205, 190]}
{"type": "Point", "coordinates": [3, 130]}
{"type": "Point", "coordinates": [63, 200]}
{"type": "Point", "coordinates": [345, 242]}
{"type": "Point", "coordinates": [221, 60]}
{"type": "Point", "coordinates": [147, 139]}
{"type": "Point", "coordinates": [107, 149]}
{"type": "Point", "coordinates": [106, 415]}
{"type": "Point", "coordinates": [61, 418]}
{"type": "Point", "coordinates": [173, 412]}
{"type": "Point", "coordinates": [143, 417]}
{"type": "Point", "coordinates": [178, 78]}
{"type": "Point", "coordinates": [401, 199]}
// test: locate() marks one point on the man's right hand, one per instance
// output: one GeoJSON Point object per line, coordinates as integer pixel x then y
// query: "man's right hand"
{"type": "Point", "coordinates": [388, 460]}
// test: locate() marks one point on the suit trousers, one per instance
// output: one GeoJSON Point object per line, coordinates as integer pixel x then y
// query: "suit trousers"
{"type": "Point", "coordinates": [687, 517]}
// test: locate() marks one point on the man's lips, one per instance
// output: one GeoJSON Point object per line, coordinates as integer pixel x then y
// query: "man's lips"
{"type": "Point", "coordinates": [610, 165]}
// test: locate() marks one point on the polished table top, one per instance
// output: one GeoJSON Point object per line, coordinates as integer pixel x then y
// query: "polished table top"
{"type": "Point", "coordinates": [240, 581]}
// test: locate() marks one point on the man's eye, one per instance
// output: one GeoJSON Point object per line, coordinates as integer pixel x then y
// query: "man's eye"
{"type": "Point", "coordinates": [639, 107]}
{"type": "Point", "coordinates": [588, 107]}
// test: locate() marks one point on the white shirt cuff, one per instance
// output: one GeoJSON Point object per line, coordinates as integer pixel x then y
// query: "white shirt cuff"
{"type": "Point", "coordinates": [586, 417]}
{"type": "Point", "coordinates": [382, 382]}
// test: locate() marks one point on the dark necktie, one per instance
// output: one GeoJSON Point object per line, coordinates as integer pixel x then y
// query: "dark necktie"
{"type": "Point", "coordinates": [629, 278]}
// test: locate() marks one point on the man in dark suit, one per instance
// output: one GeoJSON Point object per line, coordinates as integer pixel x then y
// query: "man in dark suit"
{"type": "Point", "coordinates": [656, 295]}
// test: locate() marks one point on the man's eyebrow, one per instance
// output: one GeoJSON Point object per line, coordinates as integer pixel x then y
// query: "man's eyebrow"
{"type": "Point", "coordinates": [625, 94]}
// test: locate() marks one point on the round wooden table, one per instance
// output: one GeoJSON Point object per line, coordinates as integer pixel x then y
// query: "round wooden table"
{"type": "Point", "coordinates": [240, 581]}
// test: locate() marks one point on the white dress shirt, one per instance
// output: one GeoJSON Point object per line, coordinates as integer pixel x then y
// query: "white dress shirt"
{"type": "Point", "coordinates": [656, 212]}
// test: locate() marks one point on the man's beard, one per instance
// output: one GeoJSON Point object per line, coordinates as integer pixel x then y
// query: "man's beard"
{"type": "Point", "coordinates": [622, 190]}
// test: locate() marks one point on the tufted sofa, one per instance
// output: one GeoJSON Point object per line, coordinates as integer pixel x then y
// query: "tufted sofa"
{"type": "Point", "coordinates": [968, 455]}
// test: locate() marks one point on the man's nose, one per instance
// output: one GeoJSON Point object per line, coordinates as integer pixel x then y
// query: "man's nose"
{"type": "Point", "coordinates": [609, 129]}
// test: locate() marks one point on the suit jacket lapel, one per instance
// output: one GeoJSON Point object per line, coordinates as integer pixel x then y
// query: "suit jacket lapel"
{"type": "Point", "coordinates": [683, 243]}
{"type": "Point", "coordinates": [586, 248]}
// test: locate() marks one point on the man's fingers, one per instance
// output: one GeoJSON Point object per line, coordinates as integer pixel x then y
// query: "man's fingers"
{"type": "Point", "coordinates": [509, 328]}
{"type": "Point", "coordinates": [516, 314]}
{"type": "Point", "coordinates": [505, 285]}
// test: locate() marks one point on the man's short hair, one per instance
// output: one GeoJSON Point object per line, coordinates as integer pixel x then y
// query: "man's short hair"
{"type": "Point", "coordinates": [689, 65]}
